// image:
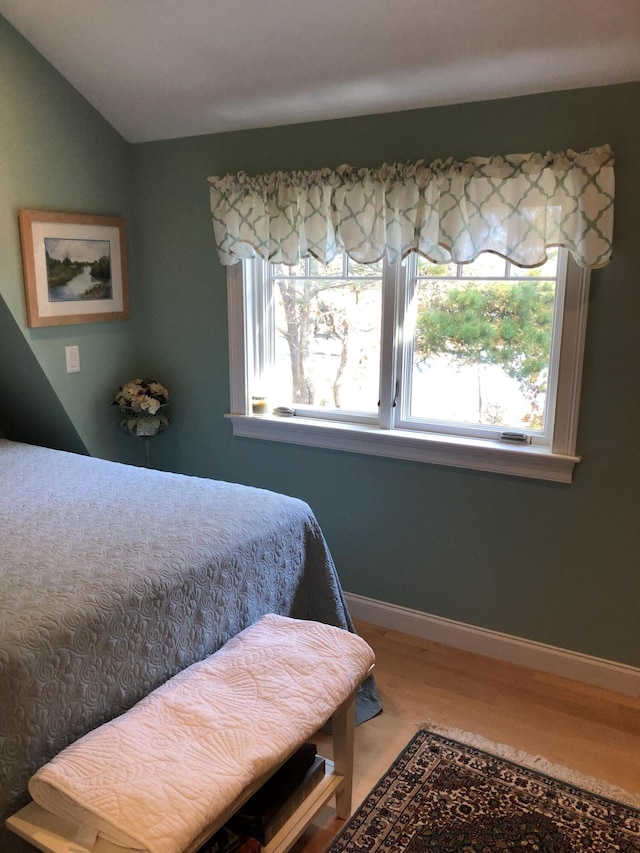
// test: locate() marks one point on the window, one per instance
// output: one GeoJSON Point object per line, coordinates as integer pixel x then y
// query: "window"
{"type": "Point", "coordinates": [475, 365]}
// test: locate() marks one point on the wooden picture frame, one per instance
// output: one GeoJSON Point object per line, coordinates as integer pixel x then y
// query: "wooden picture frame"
{"type": "Point", "coordinates": [75, 268]}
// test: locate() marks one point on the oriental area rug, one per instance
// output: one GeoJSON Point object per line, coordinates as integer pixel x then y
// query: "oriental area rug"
{"type": "Point", "coordinates": [443, 796]}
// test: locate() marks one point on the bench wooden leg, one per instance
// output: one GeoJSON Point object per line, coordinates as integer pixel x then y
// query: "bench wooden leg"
{"type": "Point", "coordinates": [343, 727]}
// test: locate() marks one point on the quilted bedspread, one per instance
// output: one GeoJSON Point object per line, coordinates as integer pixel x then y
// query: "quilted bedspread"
{"type": "Point", "coordinates": [116, 578]}
{"type": "Point", "coordinates": [160, 775]}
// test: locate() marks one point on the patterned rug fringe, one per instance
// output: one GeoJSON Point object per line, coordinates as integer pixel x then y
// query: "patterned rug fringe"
{"type": "Point", "coordinates": [536, 762]}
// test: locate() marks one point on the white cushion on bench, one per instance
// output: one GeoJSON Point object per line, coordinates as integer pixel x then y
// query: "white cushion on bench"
{"type": "Point", "coordinates": [156, 777]}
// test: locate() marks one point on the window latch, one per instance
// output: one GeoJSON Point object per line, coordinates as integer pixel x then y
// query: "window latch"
{"type": "Point", "coordinates": [515, 437]}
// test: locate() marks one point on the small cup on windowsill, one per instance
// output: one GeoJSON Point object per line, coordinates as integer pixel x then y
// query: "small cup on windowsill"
{"type": "Point", "coordinates": [259, 406]}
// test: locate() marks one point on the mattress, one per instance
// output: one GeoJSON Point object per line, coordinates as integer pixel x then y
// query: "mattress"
{"type": "Point", "coordinates": [116, 578]}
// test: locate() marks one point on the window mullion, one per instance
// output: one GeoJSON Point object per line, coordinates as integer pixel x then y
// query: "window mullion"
{"type": "Point", "coordinates": [392, 280]}
{"type": "Point", "coordinates": [569, 374]}
{"type": "Point", "coordinates": [546, 437]}
{"type": "Point", "coordinates": [239, 301]}
{"type": "Point", "coordinates": [263, 329]}
{"type": "Point", "coordinates": [405, 325]}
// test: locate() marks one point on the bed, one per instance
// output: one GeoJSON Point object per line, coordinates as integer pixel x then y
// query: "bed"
{"type": "Point", "coordinates": [115, 578]}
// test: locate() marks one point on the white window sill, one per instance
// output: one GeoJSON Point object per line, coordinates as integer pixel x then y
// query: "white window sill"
{"type": "Point", "coordinates": [521, 461]}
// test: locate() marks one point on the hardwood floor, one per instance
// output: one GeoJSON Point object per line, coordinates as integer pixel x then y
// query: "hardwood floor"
{"type": "Point", "coordinates": [591, 730]}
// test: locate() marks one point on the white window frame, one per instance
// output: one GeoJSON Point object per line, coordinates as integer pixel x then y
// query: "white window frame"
{"type": "Point", "coordinates": [247, 306]}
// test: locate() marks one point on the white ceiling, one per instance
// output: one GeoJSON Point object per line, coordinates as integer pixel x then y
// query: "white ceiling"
{"type": "Point", "coordinates": [160, 69]}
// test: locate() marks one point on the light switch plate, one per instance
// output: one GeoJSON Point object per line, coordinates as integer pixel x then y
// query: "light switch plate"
{"type": "Point", "coordinates": [72, 355]}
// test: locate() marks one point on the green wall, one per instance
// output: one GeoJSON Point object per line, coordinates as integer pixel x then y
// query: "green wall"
{"type": "Point", "coordinates": [30, 411]}
{"type": "Point", "coordinates": [57, 153]}
{"type": "Point", "coordinates": [556, 564]}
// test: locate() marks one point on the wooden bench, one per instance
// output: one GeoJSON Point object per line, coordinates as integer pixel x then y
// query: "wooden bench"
{"type": "Point", "coordinates": [296, 675]}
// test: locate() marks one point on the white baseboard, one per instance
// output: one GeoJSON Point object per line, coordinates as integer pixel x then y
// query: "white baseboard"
{"type": "Point", "coordinates": [609, 675]}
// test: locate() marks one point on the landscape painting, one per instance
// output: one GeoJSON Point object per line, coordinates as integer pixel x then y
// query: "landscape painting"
{"type": "Point", "coordinates": [74, 268]}
{"type": "Point", "coordinates": [78, 269]}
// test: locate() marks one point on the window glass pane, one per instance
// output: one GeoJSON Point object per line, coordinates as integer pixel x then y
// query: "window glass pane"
{"type": "Point", "coordinates": [334, 267]}
{"type": "Point", "coordinates": [481, 351]}
{"type": "Point", "coordinates": [486, 265]}
{"type": "Point", "coordinates": [327, 343]}
{"type": "Point", "coordinates": [426, 267]}
{"type": "Point", "coordinates": [298, 269]}
{"type": "Point", "coordinates": [364, 270]}
{"type": "Point", "coordinates": [547, 270]}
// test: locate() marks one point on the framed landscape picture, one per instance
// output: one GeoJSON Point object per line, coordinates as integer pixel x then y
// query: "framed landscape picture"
{"type": "Point", "coordinates": [75, 268]}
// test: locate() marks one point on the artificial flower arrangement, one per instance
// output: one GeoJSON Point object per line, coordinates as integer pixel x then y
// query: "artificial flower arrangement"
{"type": "Point", "coordinates": [145, 395]}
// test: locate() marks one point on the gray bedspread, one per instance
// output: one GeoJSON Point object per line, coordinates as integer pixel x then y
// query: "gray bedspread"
{"type": "Point", "coordinates": [115, 578]}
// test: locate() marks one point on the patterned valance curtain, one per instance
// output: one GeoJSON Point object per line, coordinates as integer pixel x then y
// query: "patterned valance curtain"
{"type": "Point", "coordinates": [516, 206]}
